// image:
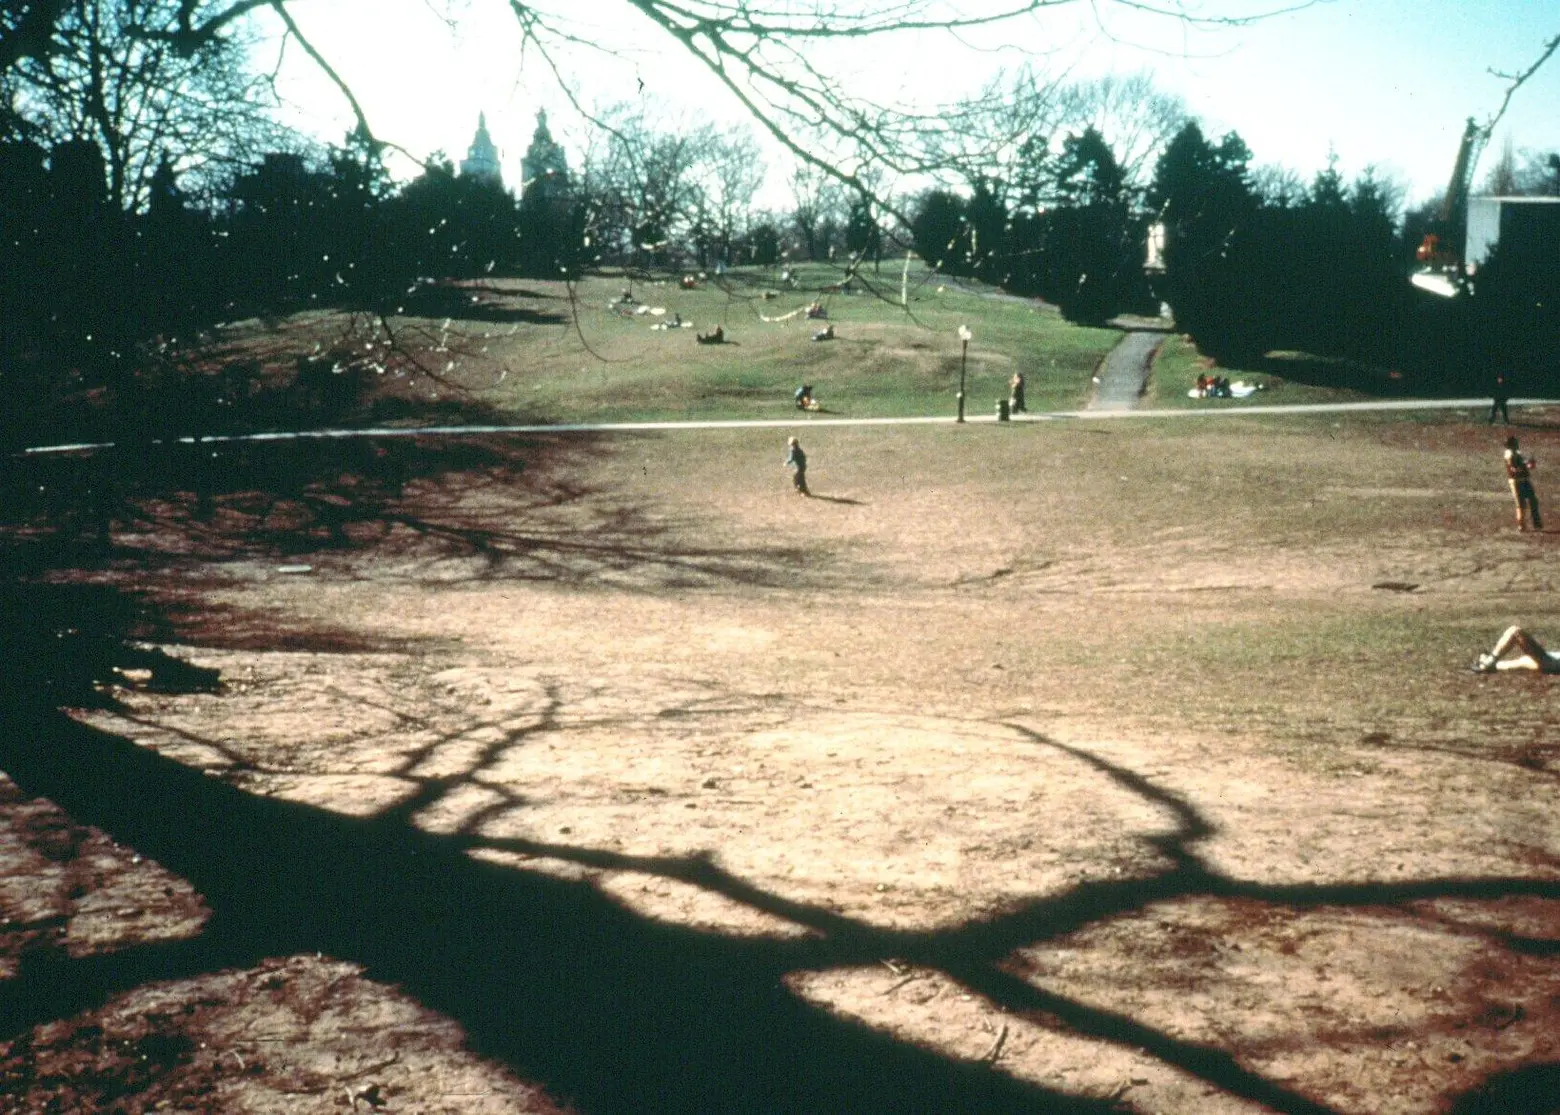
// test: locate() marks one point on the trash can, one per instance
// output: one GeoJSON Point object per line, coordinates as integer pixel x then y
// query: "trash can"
{"type": "Point", "coordinates": [1002, 410]}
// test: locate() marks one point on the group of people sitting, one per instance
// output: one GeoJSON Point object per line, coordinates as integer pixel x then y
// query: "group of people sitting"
{"type": "Point", "coordinates": [1214, 387]}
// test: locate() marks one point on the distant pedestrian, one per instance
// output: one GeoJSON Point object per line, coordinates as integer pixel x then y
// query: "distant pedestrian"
{"type": "Point", "coordinates": [1519, 473]}
{"type": "Point", "coordinates": [1501, 396]}
{"type": "Point", "coordinates": [796, 461]}
{"type": "Point", "coordinates": [1016, 394]}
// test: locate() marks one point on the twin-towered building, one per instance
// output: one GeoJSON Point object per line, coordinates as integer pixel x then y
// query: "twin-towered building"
{"type": "Point", "coordinates": [544, 170]}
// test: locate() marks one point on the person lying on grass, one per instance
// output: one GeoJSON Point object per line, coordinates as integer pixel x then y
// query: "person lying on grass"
{"type": "Point", "coordinates": [1517, 650]}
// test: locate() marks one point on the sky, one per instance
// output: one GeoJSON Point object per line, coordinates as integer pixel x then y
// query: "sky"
{"type": "Point", "coordinates": [1383, 83]}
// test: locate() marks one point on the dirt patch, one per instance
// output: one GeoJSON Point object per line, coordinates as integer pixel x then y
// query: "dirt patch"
{"type": "Point", "coordinates": [1054, 769]}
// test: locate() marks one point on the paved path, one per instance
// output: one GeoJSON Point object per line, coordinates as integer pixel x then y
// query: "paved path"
{"type": "Point", "coordinates": [1124, 371]}
{"type": "Point", "coordinates": [1215, 411]}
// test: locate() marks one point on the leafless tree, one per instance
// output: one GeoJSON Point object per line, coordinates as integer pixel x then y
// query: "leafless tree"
{"type": "Point", "coordinates": [1502, 177]}
{"type": "Point", "coordinates": [771, 58]}
{"type": "Point", "coordinates": [1136, 118]}
{"type": "Point", "coordinates": [1278, 186]}
{"type": "Point", "coordinates": [1538, 173]}
{"type": "Point", "coordinates": [138, 98]}
{"type": "Point", "coordinates": [990, 134]}
{"type": "Point", "coordinates": [1516, 79]}
{"type": "Point", "coordinates": [651, 183]}
{"type": "Point", "coordinates": [821, 211]}
{"type": "Point", "coordinates": [732, 172]}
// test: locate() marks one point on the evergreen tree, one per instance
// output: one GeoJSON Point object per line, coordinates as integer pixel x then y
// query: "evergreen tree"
{"type": "Point", "coordinates": [1202, 194]}
{"type": "Point", "coordinates": [939, 232]}
{"type": "Point", "coordinates": [1094, 265]}
{"type": "Point", "coordinates": [863, 237]}
{"type": "Point", "coordinates": [551, 218]}
{"type": "Point", "coordinates": [985, 214]}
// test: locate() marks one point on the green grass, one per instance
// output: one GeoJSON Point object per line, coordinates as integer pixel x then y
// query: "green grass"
{"type": "Point", "coordinates": [887, 360]}
{"type": "Point", "coordinates": [553, 352]}
{"type": "Point", "coordinates": [1179, 363]}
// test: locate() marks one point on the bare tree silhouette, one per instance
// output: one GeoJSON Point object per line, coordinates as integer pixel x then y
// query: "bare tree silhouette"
{"type": "Point", "coordinates": [610, 1010]}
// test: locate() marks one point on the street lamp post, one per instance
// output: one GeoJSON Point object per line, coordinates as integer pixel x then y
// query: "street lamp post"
{"type": "Point", "coordinates": [964, 356]}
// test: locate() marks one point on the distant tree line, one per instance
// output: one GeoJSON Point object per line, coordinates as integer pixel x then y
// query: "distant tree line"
{"type": "Point", "coordinates": [149, 193]}
{"type": "Point", "coordinates": [1252, 261]}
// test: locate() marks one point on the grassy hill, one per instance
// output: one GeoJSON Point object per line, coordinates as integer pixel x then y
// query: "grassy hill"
{"type": "Point", "coordinates": [553, 351]}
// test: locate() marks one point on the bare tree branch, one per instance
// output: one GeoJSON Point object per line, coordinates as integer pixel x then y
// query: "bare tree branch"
{"type": "Point", "coordinates": [1517, 80]}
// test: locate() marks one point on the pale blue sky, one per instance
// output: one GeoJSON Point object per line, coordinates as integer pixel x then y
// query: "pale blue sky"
{"type": "Point", "coordinates": [1388, 82]}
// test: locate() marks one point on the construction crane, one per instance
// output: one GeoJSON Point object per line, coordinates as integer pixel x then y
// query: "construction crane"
{"type": "Point", "coordinates": [1442, 253]}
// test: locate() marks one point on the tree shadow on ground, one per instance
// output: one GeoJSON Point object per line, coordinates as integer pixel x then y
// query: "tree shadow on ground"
{"type": "Point", "coordinates": [610, 1010]}
{"type": "Point", "coordinates": [1530, 1090]}
{"type": "Point", "coordinates": [500, 506]}
{"type": "Point", "coordinates": [1338, 372]}
{"type": "Point", "coordinates": [476, 302]}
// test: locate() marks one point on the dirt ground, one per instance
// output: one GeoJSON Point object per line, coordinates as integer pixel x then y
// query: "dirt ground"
{"type": "Point", "coordinates": [1045, 768]}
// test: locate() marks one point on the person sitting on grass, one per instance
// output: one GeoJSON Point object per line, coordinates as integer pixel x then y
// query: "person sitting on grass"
{"type": "Point", "coordinates": [718, 337]}
{"type": "Point", "coordinates": [804, 398]}
{"type": "Point", "coordinates": [1517, 650]}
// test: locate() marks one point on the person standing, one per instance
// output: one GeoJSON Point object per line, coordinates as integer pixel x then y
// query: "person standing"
{"type": "Point", "coordinates": [796, 460]}
{"type": "Point", "coordinates": [1016, 399]}
{"type": "Point", "coordinates": [1519, 473]}
{"type": "Point", "coordinates": [1501, 395]}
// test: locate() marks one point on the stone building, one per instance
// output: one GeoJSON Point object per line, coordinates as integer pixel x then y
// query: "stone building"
{"type": "Point", "coordinates": [481, 159]}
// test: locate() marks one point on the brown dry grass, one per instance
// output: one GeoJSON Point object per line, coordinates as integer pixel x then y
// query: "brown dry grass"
{"type": "Point", "coordinates": [1087, 752]}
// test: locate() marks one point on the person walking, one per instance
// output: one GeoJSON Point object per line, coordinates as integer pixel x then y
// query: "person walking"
{"type": "Point", "coordinates": [1016, 394]}
{"type": "Point", "coordinates": [1500, 396]}
{"type": "Point", "coordinates": [1519, 473]}
{"type": "Point", "coordinates": [796, 460]}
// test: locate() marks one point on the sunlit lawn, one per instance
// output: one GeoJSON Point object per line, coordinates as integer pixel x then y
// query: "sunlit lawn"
{"type": "Point", "coordinates": [887, 359]}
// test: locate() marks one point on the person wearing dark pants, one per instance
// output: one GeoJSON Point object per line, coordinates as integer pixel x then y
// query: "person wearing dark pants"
{"type": "Point", "coordinates": [1501, 395]}
{"type": "Point", "coordinates": [796, 460]}
{"type": "Point", "coordinates": [1016, 396]}
{"type": "Point", "coordinates": [1519, 473]}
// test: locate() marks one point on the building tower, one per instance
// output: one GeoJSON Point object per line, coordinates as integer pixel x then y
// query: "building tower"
{"type": "Point", "coordinates": [481, 159]}
{"type": "Point", "coordinates": [544, 171]}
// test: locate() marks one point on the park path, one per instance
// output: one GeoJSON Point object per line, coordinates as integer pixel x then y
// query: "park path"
{"type": "Point", "coordinates": [1124, 371]}
{"type": "Point", "coordinates": [1481, 405]}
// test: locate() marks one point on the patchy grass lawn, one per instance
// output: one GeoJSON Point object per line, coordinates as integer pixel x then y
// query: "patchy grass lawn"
{"type": "Point", "coordinates": [1054, 766]}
